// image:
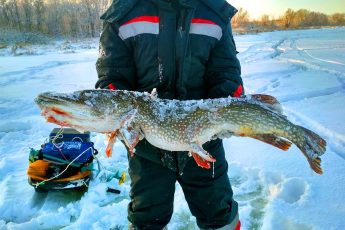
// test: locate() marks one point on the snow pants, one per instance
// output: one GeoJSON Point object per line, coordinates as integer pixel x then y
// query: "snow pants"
{"type": "Point", "coordinates": [207, 192]}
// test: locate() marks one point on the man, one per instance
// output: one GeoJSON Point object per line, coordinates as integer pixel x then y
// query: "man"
{"type": "Point", "coordinates": [184, 49]}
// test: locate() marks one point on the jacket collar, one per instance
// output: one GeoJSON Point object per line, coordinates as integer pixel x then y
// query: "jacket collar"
{"type": "Point", "coordinates": [222, 8]}
{"type": "Point", "coordinates": [118, 10]}
{"type": "Point", "coordinates": [183, 3]}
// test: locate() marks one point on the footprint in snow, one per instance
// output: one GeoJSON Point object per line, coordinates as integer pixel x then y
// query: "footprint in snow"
{"type": "Point", "coordinates": [293, 190]}
{"type": "Point", "coordinates": [255, 191]}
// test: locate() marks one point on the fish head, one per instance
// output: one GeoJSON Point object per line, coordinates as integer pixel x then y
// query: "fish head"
{"type": "Point", "coordinates": [88, 110]}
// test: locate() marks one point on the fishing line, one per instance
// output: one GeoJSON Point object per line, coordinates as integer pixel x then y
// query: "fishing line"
{"type": "Point", "coordinates": [52, 178]}
{"type": "Point", "coordinates": [99, 165]}
{"type": "Point", "coordinates": [85, 184]}
{"type": "Point", "coordinates": [212, 169]}
{"type": "Point", "coordinates": [59, 134]}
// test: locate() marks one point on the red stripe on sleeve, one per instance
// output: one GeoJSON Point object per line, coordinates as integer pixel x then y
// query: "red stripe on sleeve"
{"type": "Point", "coordinates": [111, 86]}
{"type": "Point", "coordinates": [153, 19]}
{"type": "Point", "coordinates": [238, 91]}
{"type": "Point", "coordinates": [201, 20]}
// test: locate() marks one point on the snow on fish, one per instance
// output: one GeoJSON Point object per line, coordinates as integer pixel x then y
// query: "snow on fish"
{"type": "Point", "coordinates": [179, 125]}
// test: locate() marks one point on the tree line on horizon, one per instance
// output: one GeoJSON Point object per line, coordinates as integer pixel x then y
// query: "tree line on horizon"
{"type": "Point", "coordinates": [80, 18]}
{"type": "Point", "coordinates": [289, 20]}
{"type": "Point", "coordinates": [76, 18]}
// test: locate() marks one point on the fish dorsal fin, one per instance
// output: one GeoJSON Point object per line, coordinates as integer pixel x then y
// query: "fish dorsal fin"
{"type": "Point", "coordinates": [270, 101]}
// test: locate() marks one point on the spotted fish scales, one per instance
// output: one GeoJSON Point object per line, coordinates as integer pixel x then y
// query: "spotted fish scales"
{"type": "Point", "coordinates": [179, 125]}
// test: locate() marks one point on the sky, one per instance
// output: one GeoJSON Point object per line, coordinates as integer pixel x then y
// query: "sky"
{"type": "Point", "coordinates": [276, 8]}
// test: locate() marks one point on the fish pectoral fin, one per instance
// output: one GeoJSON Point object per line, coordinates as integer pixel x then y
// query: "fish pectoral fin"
{"type": "Point", "coordinates": [131, 138]}
{"type": "Point", "coordinates": [111, 140]}
{"type": "Point", "coordinates": [273, 140]}
{"type": "Point", "coordinates": [200, 162]}
{"type": "Point", "coordinates": [127, 118]}
{"type": "Point", "coordinates": [202, 153]}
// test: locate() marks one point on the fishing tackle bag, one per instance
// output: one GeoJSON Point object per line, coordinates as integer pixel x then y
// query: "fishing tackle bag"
{"type": "Point", "coordinates": [66, 161]}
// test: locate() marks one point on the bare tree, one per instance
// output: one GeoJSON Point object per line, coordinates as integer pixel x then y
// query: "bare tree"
{"type": "Point", "coordinates": [26, 4]}
{"type": "Point", "coordinates": [54, 17]}
{"type": "Point", "coordinates": [265, 20]}
{"type": "Point", "coordinates": [300, 18]}
{"type": "Point", "coordinates": [4, 17]}
{"type": "Point", "coordinates": [10, 16]}
{"type": "Point", "coordinates": [91, 15]}
{"type": "Point", "coordinates": [241, 18]}
{"type": "Point", "coordinates": [288, 18]}
{"type": "Point", "coordinates": [338, 19]}
{"type": "Point", "coordinates": [39, 13]}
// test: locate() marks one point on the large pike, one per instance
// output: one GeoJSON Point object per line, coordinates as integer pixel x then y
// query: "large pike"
{"type": "Point", "coordinates": [179, 125]}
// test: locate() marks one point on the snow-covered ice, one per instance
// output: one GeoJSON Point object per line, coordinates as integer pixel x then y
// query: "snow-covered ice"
{"type": "Point", "coordinates": [304, 69]}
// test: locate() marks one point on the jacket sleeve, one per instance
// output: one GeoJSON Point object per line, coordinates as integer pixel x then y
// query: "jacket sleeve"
{"type": "Point", "coordinates": [115, 67]}
{"type": "Point", "coordinates": [223, 69]}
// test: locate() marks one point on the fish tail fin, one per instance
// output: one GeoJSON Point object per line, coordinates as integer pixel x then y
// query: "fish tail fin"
{"type": "Point", "coordinates": [313, 147]}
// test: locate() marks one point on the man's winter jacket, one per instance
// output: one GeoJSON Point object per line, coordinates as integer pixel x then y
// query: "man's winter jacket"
{"type": "Point", "coordinates": [183, 48]}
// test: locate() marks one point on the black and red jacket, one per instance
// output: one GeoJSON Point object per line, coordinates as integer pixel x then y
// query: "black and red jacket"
{"type": "Point", "coordinates": [183, 48]}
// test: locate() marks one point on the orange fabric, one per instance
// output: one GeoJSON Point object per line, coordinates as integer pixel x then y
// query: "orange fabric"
{"type": "Point", "coordinates": [38, 169]}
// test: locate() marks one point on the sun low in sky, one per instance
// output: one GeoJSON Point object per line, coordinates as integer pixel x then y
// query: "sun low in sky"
{"type": "Point", "coordinates": [275, 8]}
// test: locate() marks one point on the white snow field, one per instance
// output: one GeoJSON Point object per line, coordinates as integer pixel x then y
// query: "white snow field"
{"type": "Point", "coordinates": [304, 69]}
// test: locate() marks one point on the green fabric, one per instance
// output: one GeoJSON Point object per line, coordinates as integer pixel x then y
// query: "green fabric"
{"type": "Point", "coordinates": [33, 155]}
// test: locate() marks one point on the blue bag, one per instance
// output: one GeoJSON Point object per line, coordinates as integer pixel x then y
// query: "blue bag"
{"type": "Point", "coordinates": [68, 151]}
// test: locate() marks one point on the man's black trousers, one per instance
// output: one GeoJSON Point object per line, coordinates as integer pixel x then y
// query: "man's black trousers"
{"type": "Point", "coordinates": [207, 192]}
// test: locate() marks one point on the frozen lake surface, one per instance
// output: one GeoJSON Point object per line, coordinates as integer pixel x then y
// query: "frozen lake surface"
{"type": "Point", "coordinates": [304, 69]}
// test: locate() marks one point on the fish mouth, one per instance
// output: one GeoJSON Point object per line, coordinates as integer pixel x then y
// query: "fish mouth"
{"type": "Point", "coordinates": [52, 108]}
{"type": "Point", "coordinates": [54, 103]}
{"type": "Point", "coordinates": [68, 110]}
{"type": "Point", "coordinates": [48, 98]}
{"type": "Point", "coordinates": [78, 111]}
